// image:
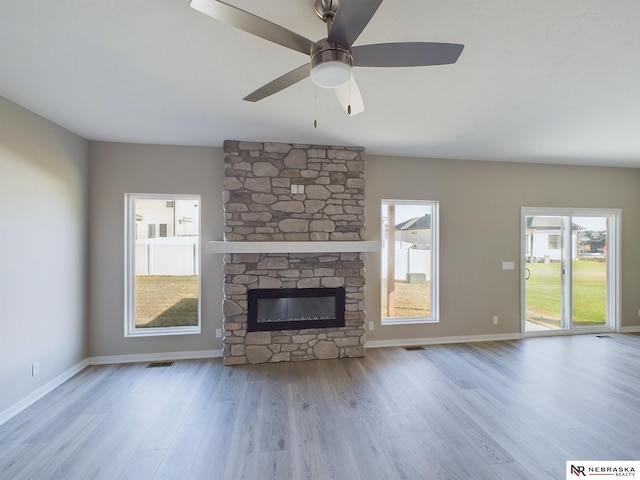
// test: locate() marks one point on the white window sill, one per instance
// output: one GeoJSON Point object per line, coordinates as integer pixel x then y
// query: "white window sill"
{"type": "Point", "coordinates": [408, 321]}
{"type": "Point", "coordinates": [162, 331]}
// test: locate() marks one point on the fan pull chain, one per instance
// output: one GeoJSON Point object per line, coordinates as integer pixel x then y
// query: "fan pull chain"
{"type": "Point", "coordinates": [349, 106]}
{"type": "Point", "coordinates": [315, 106]}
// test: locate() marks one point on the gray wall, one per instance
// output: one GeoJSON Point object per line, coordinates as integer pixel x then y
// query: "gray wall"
{"type": "Point", "coordinates": [43, 249]}
{"type": "Point", "coordinates": [480, 227]}
{"type": "Point", "coordinates": [43, 253]}
{"type": "Point", "coordinates": [116, 169]}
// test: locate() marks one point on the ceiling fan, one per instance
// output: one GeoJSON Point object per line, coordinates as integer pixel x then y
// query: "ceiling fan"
{"type": "Point", "coordinates": [332, 59]}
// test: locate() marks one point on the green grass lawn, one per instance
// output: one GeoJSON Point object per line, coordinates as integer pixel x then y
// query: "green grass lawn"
{"type": "Point", "coordinates": [412, 299]}
{"type": "Point", "coordinates": [589, 292]}
{"type": "Point", "coordinates": [166, 301]}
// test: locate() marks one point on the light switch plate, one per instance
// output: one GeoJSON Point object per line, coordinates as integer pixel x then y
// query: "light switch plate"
{"type": "Point", "coordinates": [508, 265]}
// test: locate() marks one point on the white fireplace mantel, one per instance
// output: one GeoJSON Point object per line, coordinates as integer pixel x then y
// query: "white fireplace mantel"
{"type": "Point", "coordinates": [221, 246]}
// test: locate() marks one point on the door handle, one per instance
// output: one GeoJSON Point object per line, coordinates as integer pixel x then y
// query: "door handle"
{"type": "Point", "coordinates": [528, 273]}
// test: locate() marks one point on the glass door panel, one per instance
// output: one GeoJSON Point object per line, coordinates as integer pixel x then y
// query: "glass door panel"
{"type": "Point", "coordinates": [589, 272]}
{"type": "Point", "coordinates": [545, 273]}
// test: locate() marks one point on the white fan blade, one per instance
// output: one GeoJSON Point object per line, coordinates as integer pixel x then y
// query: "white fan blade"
{"type": "Point", "coordinates": [349, 94]}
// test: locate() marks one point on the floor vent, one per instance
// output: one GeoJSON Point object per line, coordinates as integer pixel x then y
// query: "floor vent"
{"type": "Point", "coordinates": [414, 347]}
{"type": "Point", "coordinates": [160, 364]}
{"type": "Point", "coordinates": [603, 336]}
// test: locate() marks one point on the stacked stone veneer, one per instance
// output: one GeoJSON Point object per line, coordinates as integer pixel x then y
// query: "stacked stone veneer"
{"type": "Point", "coordinates": [259, 206]}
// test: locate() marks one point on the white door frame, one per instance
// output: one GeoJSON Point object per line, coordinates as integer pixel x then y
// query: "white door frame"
{"type": "Point", "coordinates": [613, 265]}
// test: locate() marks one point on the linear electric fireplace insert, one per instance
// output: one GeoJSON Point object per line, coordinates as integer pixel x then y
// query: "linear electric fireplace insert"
{"type": "Point", "coordinates": [294, 308]}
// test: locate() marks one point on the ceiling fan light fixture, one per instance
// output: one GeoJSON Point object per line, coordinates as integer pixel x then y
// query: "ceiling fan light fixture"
{"type": "Point", "coordinates": [331, 74]}
{"type": "Point", "coordinates": [330, 65]}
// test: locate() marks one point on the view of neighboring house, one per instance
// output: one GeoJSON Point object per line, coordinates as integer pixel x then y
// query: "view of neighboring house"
{"type": "Point", "coordinates": [165, 218]}
{"type": "Point", "coordinates": [166, 236]}
{"type": "Point", "coordinates": [543, 239]}
{"type": "Point", "coordinates": [592, 243]}
{"type": "Point", "coordinates": [544, 234]}
{"type": "Point", "coordinates": [413, 240]}
{"type": "Point", "coordinates": [417, 231]}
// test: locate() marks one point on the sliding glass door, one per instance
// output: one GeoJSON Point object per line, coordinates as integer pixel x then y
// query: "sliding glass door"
{"type": "Point", "coordinates": [569, 274]}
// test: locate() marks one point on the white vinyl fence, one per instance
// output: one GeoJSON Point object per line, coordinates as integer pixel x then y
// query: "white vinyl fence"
{"type": "Point", "coordinates": [410, 260]}
{"type": "Point", "coordinates": [167, 256]}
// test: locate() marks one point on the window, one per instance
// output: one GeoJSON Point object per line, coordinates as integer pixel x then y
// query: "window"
{"type": "Point", "coordinates": [162, 281]}
{"type": "Point", "coordinates": [555, 242]}
{"type": "Point", "coordinates": [409, 261]}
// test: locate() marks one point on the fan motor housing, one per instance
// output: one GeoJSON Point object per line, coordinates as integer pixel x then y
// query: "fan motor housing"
{"type": "Point", "coordinates": [325, 51]}
{"type": "Point", "coordinates": [330, 64]}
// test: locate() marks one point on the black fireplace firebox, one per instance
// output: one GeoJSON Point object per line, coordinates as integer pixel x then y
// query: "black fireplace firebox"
{"type": "Point", "coordinates": [294, 308]}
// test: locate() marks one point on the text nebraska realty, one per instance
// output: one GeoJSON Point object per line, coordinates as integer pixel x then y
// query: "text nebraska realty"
{"type": "Point", "coordinates": [610, 471]}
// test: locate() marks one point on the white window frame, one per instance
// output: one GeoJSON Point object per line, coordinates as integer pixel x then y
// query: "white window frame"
{"type": "Point", "coordinates": [613, 265]}
{"type": "Point", "coordinates": [130, 329]}
{"type": "Point", "coordinates": [435, 264]}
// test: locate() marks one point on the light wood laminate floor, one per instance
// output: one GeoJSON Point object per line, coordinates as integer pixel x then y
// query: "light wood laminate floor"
{"type": "Point", "coordinates": [498, 410]}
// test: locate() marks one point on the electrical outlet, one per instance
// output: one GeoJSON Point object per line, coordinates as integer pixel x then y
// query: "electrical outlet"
{"type": "Point", "coordinates": [35, 368]}
{"type": "Point", "coordinates": [639, 313]}
{"type": "Point", "coordinates": [371, 326]}
{"type": "Point", "coordinates": [495, 319]}
{"type": "Point", "coordinates": [218, 333]}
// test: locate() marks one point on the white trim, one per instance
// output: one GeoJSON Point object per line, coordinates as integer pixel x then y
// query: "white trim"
{"type": "Point", "coordinates": [614, 221]}
{"type": "Point", "coordinates": [405, 342]}
{"type": "Point", "coordinates": [614, 268]}
{"type": "Point", "coordinates": [36, 395]}
{"type": "Point", "coordinates": [154, 357]}
{"type": "Point", "coordinates": [221, 246]}
{"type": "Point", "coordinates": [407, 320]}
{"type": "Point", "coordinates": [130, 329]}
{"type": "Point", "coordinates": [633, 329]}
{"type": "Point", "coordinates": [164, 331]}
{"type": "Point", "coordinates": [434, 206]}
{"type": "Point", "coordinates": [577, 331]}
{"type": "Point", "coordinates": [30, 399]}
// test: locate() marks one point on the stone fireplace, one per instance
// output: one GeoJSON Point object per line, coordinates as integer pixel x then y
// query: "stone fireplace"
{"type": "Point", "coordinates": [275, 192]}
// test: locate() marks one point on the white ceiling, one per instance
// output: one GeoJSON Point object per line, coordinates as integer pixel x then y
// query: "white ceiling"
{"type": "Point", "coordinates": [550, 81]}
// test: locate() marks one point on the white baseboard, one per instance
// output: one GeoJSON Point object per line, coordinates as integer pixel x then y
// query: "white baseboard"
{"type": "Point", "coordinates": [111, 359]}
{"type": "Point", "coordinates": [407, 342]}
{"type": "Point", "coordinates": [167, 356]}
{"type": "Point", "coordinates": [33, 397]}
{"type": "Point", "coordinates": [154, 357]}
{"type": "Point", "coordinates": [634, 329]}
